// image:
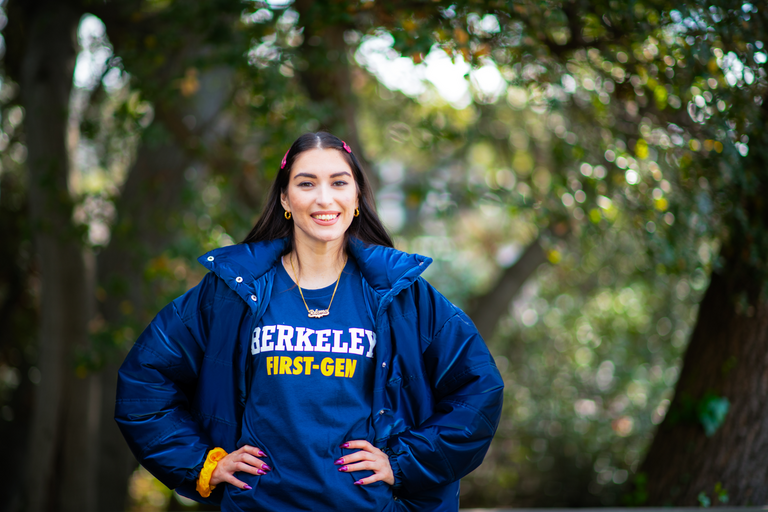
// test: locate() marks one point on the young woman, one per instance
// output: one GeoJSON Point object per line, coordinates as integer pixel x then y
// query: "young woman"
{"type": "Point", "coordinates": [312, 368]}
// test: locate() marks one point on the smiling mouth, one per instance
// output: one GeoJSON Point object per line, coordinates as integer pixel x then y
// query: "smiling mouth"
{"type": "Point", "coordinates": [325, 216]}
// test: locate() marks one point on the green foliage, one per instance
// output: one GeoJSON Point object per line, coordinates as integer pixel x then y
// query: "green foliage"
{"type": "Point", "coordinates": [711, 412]}
{"type": "Point", "coordinates": [628, 138]}
{"type": "Point", "coordinates": [719, 493]}
{"type": "Point", "coordinates": [639, 494]}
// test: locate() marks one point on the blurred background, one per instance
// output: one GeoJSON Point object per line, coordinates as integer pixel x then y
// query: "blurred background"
{"type": "Point", "coordinates": [589, 176]}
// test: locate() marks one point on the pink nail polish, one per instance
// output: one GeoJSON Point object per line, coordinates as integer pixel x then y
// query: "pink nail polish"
{"type": "Point", "coordinates": [262, 454]}
{"type": "Point", "coordinates": [345, 445]}
{"type": "Point", "coordinates": [343, 468]}
{"type": "Point", "coordinates": [359, 482]}
{"type": "Point", "coordinates": [265, 467]}
{"type": "Point", "coordinates": [261, 472]}
{"type": "Point", "coordinates": [339, 461]}
{"type": "Point", "coordinates": [248, 487]}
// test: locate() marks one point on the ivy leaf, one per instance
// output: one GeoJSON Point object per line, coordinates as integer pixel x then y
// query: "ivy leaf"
{"type": "Point", "coordinates": [711, 412]}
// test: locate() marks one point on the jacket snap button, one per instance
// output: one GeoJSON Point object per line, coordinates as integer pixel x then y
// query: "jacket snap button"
{"type": "Point", "coordinates": [210, 258]}
{"type": "Point", "coordinates": [254, 298]}
{"type": "Point", "coordinates": [381, 412]}
{"type": "Point", "coordinates": [239, 279]}
{"type": "Point", "coordinates": [383, 365]}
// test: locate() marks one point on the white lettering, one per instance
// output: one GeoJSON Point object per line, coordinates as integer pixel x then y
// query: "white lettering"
{"type": "Point", "coordinates": [322, 341]}
{"type": "Point", "coordinates": [267, 345]}
{"type": "Point", "coordinates": [284, 335]}
{"type": "Point", "coordinates": [356, 338]}
{"type": "Point", "coordinates": [302, 339]}
{"type": "Point", "coordinates": [255, 349]}
{"type": "Point", "coordinates": [372, 341]}
{"type": "Point", "coordinates": [338, 346]}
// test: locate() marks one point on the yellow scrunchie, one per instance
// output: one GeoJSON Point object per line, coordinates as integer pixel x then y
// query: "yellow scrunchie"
{"type": "Point", "coordinates": [204, 486]}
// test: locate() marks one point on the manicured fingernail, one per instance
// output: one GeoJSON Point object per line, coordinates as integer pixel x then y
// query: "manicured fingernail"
{"type": "Point", "coordinates": [343, 468]}
{"type": "Point", "coordinates": [265, 467]}
{"type": "Point", "coordinates": [248, 487]}
{"type": "Point", "coordinates": [345, 445]}
{"type": "Point", "coordinates": [359, 482]}
{"type": "Point", "coordinates": [339, 461]}
{"type": "Point", "coordinates": [261, 472]}
{"type": "Point", "coordinates": [262, 454]}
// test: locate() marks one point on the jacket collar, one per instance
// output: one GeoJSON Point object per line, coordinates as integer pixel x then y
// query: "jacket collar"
{"type": "Point", "coordinates": [386, 270]}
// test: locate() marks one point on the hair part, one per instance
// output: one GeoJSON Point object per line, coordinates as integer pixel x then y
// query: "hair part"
{"type": "Point", "coordinates": [272, 224]}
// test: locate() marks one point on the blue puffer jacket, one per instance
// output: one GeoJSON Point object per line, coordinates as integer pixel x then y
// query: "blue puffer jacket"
{"type": "Point", "coordinates": [437, 393]}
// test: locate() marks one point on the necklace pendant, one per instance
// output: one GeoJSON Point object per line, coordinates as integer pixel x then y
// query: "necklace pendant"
{"type": "Point", "coordinates": [318, 313]}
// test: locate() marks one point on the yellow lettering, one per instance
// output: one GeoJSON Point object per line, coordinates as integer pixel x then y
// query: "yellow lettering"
{"type": "Point", "coordinates": [308, 364]}
{"type": "Point", "coordinates": [269, 365]}
{"type": "Point", "coordinates": [350, 368]}
{"type": "Point", "coordinates": [297, 365]}
{"type": "Point", "coordinates": [326, 366]}
{"type": "Point", "coordinates": [339, 368]}
{"type": "Point", "coordinates": [285, 365]}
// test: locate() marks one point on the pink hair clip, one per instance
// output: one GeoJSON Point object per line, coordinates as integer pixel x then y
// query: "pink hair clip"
{"type": "Point", "coordinates": [346, 148]}
{"type": "Point", "coordinates": [285, 159]}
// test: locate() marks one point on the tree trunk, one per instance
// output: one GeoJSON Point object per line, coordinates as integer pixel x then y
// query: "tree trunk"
{"type": "Point", "coordinates": [150, 196]}
{"type": "Point", "coordinates": [327, 77]}
{"type": "Point", "coordinates": [727, 357]}
{"type": "Point", "coordinates": [486, 310]}
{"type": "Point", "coordinates": [60, 455]}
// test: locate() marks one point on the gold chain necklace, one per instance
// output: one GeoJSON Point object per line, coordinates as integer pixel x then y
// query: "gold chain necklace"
{"type": "Point", "coordinates": [317, 313]}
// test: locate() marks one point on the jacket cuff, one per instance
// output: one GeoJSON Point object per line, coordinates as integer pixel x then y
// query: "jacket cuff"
{"type": "Point", "coordinates": [395, 465]}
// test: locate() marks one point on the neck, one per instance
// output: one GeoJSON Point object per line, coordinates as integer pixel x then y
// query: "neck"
{"type": "Point", "coordinates": [317, 265]}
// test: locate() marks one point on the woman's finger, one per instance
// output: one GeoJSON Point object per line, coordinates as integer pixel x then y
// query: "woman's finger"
{"type": "Point", "coordinates": [376, 477]}
{"type": "Point", "coordinates": [252, 450]}
{"type": "Point", "coordinates": [361, 445]}
{"type": "Point", "coordinates": [253, 461]}
{"type": "Point", "coordinates": [369, 458]}
{"type": "Point", "coordinates": [238, 483]}
{"type": "Point", "coordinates": [362, 466]}
{"type": "Point", "coordinates": [242, 460]}
{"type": "Point", "coordinates": [353, 457]}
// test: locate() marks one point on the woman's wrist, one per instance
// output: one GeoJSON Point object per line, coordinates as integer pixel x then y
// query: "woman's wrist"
{"type": "Point", "coordinates": [204, 486]}
{"type": "Point", "coordinates": [395, 466]}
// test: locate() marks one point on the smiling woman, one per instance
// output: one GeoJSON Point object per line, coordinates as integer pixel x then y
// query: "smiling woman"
{"type": "Point", "coordinates": [312, 368]}
{"type": "Point", "coordinates": [321, 198]}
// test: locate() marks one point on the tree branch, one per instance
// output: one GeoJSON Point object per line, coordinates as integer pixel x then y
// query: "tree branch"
{"type": "Point", "coordinates": [486, 310]}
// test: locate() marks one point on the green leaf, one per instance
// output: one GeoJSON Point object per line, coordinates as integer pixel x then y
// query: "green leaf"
{"type": "Point", "coordinates": [711, 412]}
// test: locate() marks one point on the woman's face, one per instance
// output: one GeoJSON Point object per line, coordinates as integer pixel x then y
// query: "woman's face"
{"type": "Point", "coordinates": [321, 196]}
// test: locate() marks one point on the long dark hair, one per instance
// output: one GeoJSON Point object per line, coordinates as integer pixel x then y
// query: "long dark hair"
{"type": "Point", "coordinates": [272, 224]}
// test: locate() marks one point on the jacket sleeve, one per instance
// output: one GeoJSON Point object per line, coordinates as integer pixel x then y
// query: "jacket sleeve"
{"type": "Point", "coordinates": [467, 390]}
{"type": "Point", "coordinates": [156, 383]}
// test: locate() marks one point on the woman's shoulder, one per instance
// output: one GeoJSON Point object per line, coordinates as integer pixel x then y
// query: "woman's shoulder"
{"type": "Point", "coordinates": [385, 268]}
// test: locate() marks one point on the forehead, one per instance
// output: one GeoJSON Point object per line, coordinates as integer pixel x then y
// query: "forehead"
{"type": "Point", "coordinates": [320, 162]}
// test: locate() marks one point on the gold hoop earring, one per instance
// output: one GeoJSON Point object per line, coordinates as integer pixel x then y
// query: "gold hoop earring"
{"type": "Point", "coordinates": [357, 212]}
{"type": "Point", "coordinates": [287, 215]}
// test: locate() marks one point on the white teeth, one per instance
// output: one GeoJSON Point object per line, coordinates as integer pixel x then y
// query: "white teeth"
{"type": "Point", "coordinates": [325, 217]}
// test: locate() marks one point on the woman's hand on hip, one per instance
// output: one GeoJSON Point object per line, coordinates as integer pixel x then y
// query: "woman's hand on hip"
{"type": "Point", "coordinates": [246, 459]}
{"type": "Point", "coordinates": [368, 458]}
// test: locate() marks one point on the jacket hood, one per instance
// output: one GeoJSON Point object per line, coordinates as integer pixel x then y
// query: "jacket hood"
{"type": "Point", "coordinates": [386, 270]}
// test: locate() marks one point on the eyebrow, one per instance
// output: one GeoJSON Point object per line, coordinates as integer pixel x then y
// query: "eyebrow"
{"type": "Point", "coordinates": [334, 175]}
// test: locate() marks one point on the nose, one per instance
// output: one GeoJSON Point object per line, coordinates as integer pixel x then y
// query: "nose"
{"type": "Point", "coordinates": [324, 195]}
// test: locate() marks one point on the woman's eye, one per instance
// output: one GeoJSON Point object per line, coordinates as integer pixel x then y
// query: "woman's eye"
{"type": "Point", "coordinates": [305, 184]}
{"type": "Point", "coordinates": [340, 183]}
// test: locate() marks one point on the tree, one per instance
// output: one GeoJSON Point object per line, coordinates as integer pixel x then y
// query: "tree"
{"type": "Point", "coordinates": [624, 150]}
{"type": "Point", "coordinates": [660, 111]}
{"type": "Point", "coordinates": [72, 426]}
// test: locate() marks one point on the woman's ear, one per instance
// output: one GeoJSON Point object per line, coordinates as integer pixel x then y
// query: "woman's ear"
{"type": "Point", "coordinates": [284, 201]}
